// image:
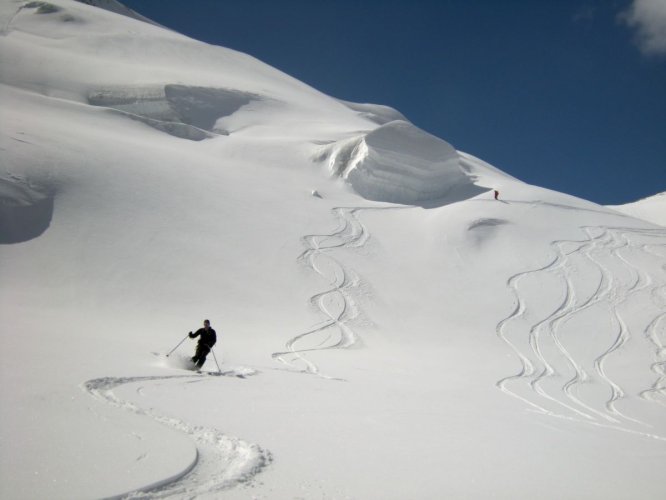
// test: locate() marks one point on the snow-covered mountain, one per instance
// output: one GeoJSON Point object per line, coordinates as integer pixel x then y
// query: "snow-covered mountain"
{"type": "Point", "coordinates": [386, 327]}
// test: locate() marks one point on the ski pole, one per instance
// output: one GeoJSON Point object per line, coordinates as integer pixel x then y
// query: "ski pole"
{"type": "Point", "coordinates": [215, 358]}
{"type": "Point", "coordinates": [178, 345]}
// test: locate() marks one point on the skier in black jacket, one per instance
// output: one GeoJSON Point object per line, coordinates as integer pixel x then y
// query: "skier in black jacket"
{"type": "Point", "coordinates": [207, 339]}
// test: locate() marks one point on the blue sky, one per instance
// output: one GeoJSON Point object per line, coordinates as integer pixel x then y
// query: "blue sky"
{"type": "Point", "coordinates": [565, 94]}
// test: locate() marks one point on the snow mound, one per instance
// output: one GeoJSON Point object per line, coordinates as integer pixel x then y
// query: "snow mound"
{"type": "Point", "coordinates": [651, 209]}
{"type": "Point", "coordinates": [377, 113]}
{"type": "Point", "coordinates": [42, 7]}
{"type": "Point", "coordinates": [400, 163]}
{"type": "Point", "coordinates": [480, 231]}
{"type": "Point", "coordinates": [179, 110]}
{"type": "Point", "coordinates": [25, 210]}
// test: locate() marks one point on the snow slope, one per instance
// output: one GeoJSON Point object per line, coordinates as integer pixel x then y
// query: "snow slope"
{"type": "Point", "coordinates": [652, 209]}
{"type": "Point", "coordinates": [386, 328]}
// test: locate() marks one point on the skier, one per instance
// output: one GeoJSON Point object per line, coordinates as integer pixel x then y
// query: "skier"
{"type": "Point", "coordinates": [207, 339]}
{"type": "Point", "coordinates": [496, 194]}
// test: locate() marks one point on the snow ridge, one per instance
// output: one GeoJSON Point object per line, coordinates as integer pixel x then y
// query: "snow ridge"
{"type": "Point", "coordinates": [651, 209]}
{"type": "Point", "coordinates": [377, 113]}
{"type": "Point", "coordinates": [222, 461]}
{"type": "Point", "coordinates": [400, 163]}
{"type": "Point", "coordinates": [561, 377]}
{"type": "Point", "coordinates": [117, 8]}
{"type": "Point", "coordinates": [183, 111]}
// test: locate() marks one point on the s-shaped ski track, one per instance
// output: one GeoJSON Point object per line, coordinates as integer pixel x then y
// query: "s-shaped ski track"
{"type": "Point", "coordinates": [223, 461]}
{"type": "Point", "coordinates": [337, 303]}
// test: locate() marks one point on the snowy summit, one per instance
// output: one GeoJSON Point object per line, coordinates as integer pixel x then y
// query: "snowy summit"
{"type": "Point", "coordinates": [394, 318]}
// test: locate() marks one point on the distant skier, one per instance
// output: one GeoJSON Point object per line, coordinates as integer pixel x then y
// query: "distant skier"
{"type": "Point", "coordinates": [207, 339]}
{"type": "Point", "coordinates": [496, 194]}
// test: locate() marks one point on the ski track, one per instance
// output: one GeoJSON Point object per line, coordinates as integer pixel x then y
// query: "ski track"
{"type": "Point", "coordinates": [6, 29]}
{"type": "Point", "coordinates": [337, 302]}
{"type": "Point", "coordinates": [656, 335]}
{"type": "Point", "coordinates": [222, 462]}
{"type": "Point", "coordinates": [605, 250]}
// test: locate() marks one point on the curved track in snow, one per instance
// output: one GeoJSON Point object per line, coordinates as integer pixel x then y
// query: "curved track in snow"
{"type": "Point", "coordinates": [336, 303]}
{"type": "Point", "coordinates": [222, 461]}
{"type": "Point", "coordinates": [564, 348]}
{"type": "Point", "coordinates": [656, 333]}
